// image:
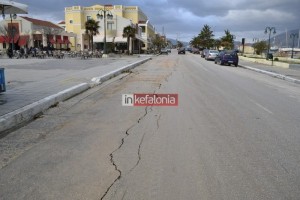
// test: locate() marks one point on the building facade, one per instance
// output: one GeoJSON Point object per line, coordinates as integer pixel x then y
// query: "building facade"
{"type": "Point", "coordinates": [76, 16]}
{"type": "Point", "coordinates": [29, 32]}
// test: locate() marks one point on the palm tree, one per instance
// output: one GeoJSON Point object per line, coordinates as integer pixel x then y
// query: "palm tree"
{"type": "Point", "coordinates": [91, 29]}
{"type": "Point", "coordinates": [227, 41]}
{"type": "Point", "coordinates": [129, 32]}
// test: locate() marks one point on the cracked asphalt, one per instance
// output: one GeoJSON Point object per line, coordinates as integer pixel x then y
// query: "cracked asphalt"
{"type": "Point", "coordinates": [234, 135]}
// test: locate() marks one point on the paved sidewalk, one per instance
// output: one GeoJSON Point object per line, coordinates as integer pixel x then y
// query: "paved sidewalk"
{"type": "Point", "coordinates": [292, 74]}
{"type": "Point", "coordinates": [30, 80]}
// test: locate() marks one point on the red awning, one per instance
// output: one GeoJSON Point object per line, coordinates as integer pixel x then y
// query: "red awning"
{"type": "Point", "coordinates": [67, 41]}
{"type": "Point", "coordinates": [59, 41]}
{"type": "Point", "coordinates": [23, 40]}
{"type": "Point", "coordinates": [8, 39]}
{"type": "Point", "coordinates": [52, 41]}
{"type": "Point", "coordinates": [2, 39]}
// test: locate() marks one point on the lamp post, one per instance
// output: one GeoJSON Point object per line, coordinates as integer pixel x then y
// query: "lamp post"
{"type": "Point", "coordinates": [104, 13]}
{"type": "Point", "coordinates": [293, 36]}
{"type": "Point", "coordinates": [269, 29]}
{"type": "Point", "coordinates": [255, 40]}
{"type": "Point", "coordinates": [12, 31]}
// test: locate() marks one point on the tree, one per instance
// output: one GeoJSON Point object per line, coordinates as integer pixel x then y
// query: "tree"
{"type": "Point", "coordinates": [158, 42]}
{"type": "Point", "coordinates": [91, 29]}
{"type": "Point", "coordinates": [48, 32]}
{"type": "Point", "coordinates": [195, 42]}
{"type": "Point", "coordinates": [5, 32]}
{"type": "Point", "coordinates": [129, 32]}
{"type": "Point", "coordinates": [9, 34]}
{"type": "Point", "coordinates": [227, 40]}
{"type": "Point", "coordinates": [260, 47]}
{"type": "Point", "coordinates": [217, 44]}
{"type": "Point", "coordinates": [179, 44]}
{"type": "Point", "coordinates": [205, 38]}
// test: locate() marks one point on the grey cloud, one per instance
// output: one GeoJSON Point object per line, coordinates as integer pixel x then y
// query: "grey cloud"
{"type": "Point", "coordinates": [187, 17]}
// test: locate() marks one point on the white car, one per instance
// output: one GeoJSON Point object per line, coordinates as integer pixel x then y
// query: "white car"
{"type": "Point", "coordinates": [211, 54]}
{"type": "Point", "coordinates": [164, 51]}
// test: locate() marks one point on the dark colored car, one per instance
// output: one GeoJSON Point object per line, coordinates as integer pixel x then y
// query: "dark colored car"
{"type": "Point", "coordinates": [181, 50]}
{"type": "Point", "coordinates": [227, 58]}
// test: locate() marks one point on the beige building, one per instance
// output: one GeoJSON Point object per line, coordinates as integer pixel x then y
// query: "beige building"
{"type": "Point", "coordinates": [76, 16]}
{"type": "Point", "coordinates": [30, 32]}
{"type": "Point", "coordinates": [248, 49]}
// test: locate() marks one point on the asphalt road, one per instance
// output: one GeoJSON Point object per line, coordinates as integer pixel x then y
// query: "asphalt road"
{"type": "Point", "coordinates": [234, 135]}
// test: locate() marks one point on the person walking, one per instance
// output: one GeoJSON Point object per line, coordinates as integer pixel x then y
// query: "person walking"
{"type": "Point", "coordinates": [9, 52]}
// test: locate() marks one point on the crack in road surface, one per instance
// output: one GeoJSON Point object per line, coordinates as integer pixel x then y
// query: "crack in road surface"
{"type": "Point", "coordinates": [140, 145]}
{"type": "Point", "coordinates": [139, 154]}
{"type": "Point", "coordinates": [120, 146]}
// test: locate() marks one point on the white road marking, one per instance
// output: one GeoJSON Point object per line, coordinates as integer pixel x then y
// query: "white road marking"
{"type": "Point", "coordinates": [261, 106]}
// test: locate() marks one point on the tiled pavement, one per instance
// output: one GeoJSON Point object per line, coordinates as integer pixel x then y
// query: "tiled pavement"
{"type": "Point", "coordinates": [30, 80]}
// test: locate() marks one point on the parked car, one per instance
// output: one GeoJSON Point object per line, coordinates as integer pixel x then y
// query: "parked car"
{"type": "Point", "coordinates": [203, 53]}
{"type": "Point", "coordinates": [164, 51]}
{"type": "Point", "coordinates": [169, 50]}
{"type": "Point", "coordinates": [195, 51]}
{"type": "Point", "coordinates": [228, 58]}
{"type": "Point", "coordinates": [181, 50]}
{"type": "Point", "coordinates": [211, 54]}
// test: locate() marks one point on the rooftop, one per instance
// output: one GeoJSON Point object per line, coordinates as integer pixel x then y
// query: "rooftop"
{"type": "Point", "coordinates": [41, 22]}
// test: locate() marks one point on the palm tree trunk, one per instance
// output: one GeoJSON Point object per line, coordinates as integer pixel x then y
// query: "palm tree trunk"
{"type": "Point", "coordinates": [92, 42]}
{"type": "Point", "coordinates": [128, 44]}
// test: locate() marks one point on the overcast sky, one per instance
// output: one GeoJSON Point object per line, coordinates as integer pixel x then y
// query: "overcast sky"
{"type": "Point", "coordinates": [184, 19]}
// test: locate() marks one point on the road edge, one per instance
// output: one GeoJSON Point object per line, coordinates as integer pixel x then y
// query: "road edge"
{"type": "Point", "coordinates": [275, 75]}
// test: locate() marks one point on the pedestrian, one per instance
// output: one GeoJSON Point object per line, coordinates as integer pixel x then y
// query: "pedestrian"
{"type": "Point", "coordinates": [9, 52]}
{"type": "Point", "coordinates": [22, 52]}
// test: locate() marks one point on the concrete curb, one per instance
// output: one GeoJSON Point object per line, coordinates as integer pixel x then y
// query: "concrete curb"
{"type": "Point", "coordinates": [105, 77]}
{"type": "Point", "coordinates": [28, 112]}
{"type": "Point", "coordinates": [275, 75]}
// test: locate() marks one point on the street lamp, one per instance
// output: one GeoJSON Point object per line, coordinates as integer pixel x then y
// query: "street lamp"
{"type": "Point", "coordinates": [269, 29]}
{"type": "Point", "coordinates": [293, 36]}
{"type": "Point", "coordinates": [104, 13]}
{"type": "Point", "coordinates": [12, 30]}
{"type": "Point", "coordinates": [12, 16]}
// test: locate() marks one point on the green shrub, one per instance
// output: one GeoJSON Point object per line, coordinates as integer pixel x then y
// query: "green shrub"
{"type": "Point", "coordinates": [276, 59]}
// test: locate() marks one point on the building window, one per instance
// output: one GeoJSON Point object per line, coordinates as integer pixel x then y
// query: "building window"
{"type": "Point", "coordinates": [110, 25]}
{"type": "Point", "coordinates": [88, 18]}
{"type": "Point", "coordinates": [71, 21]}
{"type": "Point", "coordinates": [4, 45]}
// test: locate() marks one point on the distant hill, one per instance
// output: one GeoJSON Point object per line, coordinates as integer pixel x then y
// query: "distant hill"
{"type": "Point", "coordinates": [174, 42]}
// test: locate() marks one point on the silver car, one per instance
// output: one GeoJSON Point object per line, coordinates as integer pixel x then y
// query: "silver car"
{"type": "Point", "coordinates": [211, 54]}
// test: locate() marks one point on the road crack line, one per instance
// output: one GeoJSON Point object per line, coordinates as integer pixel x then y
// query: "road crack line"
{"type": "Point", "coordinates": [120, 146]}
{"type": "Point", "coordinates": [157, 122]}
{"type": "Point", "coordinates": [122, 143]}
